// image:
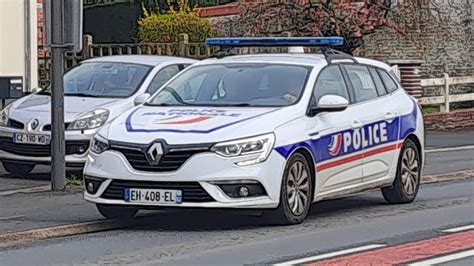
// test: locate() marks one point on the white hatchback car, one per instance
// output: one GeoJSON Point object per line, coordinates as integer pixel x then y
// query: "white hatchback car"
{"type": "Point", "coordinates": [272, 131]}
{"type": "Point", "coordinates": [96, 92]}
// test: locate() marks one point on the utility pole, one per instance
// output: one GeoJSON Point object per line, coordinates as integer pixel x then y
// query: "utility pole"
{"type": "Point", "coordinates": [58, 144]}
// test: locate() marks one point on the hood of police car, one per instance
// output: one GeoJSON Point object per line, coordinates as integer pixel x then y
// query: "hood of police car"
{"type": "Point", "coordinates": [37, 106]}
{"type": "Point", "coordinates": [184, 125]}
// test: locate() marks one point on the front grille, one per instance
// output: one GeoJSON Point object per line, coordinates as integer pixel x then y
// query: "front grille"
{"type": "Point", "coordinates": [72, 147]}
{"type": "Point", "coordinates": [172, 159]}
{"type": "Point", "coordinates": [48, 126]}
{"type": "Point", "coordinates": [192, 191]}
{"type": "Point", "coordinates": [15, 124]}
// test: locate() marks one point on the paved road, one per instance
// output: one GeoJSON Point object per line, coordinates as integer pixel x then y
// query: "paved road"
{"type": "Point", "coordinates": [222, 238]}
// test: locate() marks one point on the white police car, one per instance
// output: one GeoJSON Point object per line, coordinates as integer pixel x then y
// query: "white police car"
{"type": "Point", "coordinates": [275, 132]}
{"type": "Point", "coordinates": [96, 91]}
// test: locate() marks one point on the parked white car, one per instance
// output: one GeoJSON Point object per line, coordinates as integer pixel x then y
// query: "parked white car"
{"type": "Point", "coordinates": [266, 131]}
{"type": "Point", "coordinates": [96, 92]}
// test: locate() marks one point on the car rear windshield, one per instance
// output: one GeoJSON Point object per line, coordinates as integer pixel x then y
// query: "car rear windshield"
{"type": "Point", "coordinates": [104, 80]}
{"type": "Point", "coordinates": [259, 84]}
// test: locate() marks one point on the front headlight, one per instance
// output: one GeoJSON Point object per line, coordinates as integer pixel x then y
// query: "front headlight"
{"type": "Point", "coordinates": [4, 115]}
{"type": "Point", "coordinates": [90, 120]}
{"type": "Point", "coordinates": [99, 144]}
{"type": "Point", "coordinates": [248, 151]}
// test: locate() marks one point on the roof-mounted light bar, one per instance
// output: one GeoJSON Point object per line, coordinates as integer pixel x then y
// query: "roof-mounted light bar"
{"type": "Point", "coordinates": [274, 41]}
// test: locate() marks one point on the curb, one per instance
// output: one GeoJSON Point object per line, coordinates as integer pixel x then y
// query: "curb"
{"type": "Point", "coordinates": [14, 238]}
{"type": "Point", "coordinates": [45, 188]}
{"type": "Point", "coordinates": [460, 175]}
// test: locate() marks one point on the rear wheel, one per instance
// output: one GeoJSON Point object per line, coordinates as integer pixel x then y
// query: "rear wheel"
{"type": "Point", "coordinates": [18, 169]}
{"type": "Point", "coordinates": [407, 182]}
{"type": "Point", "coordinates": [295, 196]}
{"type": "Point", "coordinates": [117, 212]}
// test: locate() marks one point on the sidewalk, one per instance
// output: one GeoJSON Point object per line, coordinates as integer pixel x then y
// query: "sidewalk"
{"type": "Point", "coordinates": [21, 212]}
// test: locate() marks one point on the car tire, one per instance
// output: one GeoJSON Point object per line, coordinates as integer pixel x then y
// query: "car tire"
{"type": "Point", "coordinates": [18, 169]}
{"type": "Point", "coordinates": [407, 181]}
{"type": "Point", "coordinates": [297, 184]}
{"type": "Point", "coordinates": [117, 212]}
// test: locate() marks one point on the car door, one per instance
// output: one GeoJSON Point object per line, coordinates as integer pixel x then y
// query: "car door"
{"type": "Point", "coordinates": [337, 163]}
{"type": "Point", "coordinates": [379, 126]}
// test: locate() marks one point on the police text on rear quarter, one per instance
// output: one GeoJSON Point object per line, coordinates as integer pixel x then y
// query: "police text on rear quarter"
{"type": "Point", "coordinates": [274, 132]}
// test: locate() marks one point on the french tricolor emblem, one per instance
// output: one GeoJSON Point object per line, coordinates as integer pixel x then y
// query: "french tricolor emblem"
{"type": "Point", "coordinates": [335, 145]}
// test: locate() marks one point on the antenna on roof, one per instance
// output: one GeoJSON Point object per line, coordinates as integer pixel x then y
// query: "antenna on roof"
{"type": "Point", "coordinates": [226, 44]}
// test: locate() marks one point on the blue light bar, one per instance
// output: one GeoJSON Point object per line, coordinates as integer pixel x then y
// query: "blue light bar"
{"type": "Point", "coordinates": [274, 41]}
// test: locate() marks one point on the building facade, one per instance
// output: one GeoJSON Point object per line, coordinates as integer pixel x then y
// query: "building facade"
{"type": "Point", "coordinates": [18, 47]}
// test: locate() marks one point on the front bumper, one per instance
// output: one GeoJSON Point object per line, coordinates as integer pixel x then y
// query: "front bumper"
{"type": "Point", "coordinates": [28, 152]}
{"type": "Point", "coordinates": [207, 169]}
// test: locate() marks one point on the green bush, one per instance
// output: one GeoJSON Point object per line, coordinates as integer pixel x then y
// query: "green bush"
{"type": "Point", "coordinates": [165, 28]}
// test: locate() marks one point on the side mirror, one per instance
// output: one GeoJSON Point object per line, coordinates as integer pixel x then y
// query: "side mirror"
{"type": "Point", "coordinates": [141, 99]}
{"type": "Point", "coordinates": [330, 103]}
{"type": "Point", "coordinates": [36, 90]}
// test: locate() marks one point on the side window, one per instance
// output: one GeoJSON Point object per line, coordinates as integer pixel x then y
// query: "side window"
{"type": "Point", "coordinates": [362, 83]}
{"type": "Point", "coordinates": [330, 81]}
{"type": "Point", "coordinates": [390, 85]}
{"type": "Point", "coordinates": [162, 77]}
{"type": "Point", "coordinates": [378, 82]}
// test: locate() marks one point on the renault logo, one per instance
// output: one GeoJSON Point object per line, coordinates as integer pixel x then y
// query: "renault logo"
{"type": "Point", "coordinates": [34, 124]}
{"type": "Point", "coordinates": [154, 153]}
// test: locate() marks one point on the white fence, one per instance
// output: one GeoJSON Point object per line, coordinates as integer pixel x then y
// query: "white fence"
{"type": "Point", "coordinates": [445, 99]}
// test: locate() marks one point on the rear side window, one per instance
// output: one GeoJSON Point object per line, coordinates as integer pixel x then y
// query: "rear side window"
{"type": "Point", "coordinates": [390, 85]}
{"type": "Point", "coordinates": [364, 87]}
{"type": "Point", "coordinates": [378, 82]}
{"type": "Point", "coordinates": [330, 81]}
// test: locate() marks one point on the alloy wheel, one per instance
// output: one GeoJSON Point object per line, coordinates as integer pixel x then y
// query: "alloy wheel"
{"type": "Point", "coordinates": [298, 188]}
{"type": "Point", "coordinates": [410, 171]}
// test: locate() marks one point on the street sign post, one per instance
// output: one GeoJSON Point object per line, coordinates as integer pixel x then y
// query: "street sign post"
{"type": "Point", "coordinates": [63, 29]}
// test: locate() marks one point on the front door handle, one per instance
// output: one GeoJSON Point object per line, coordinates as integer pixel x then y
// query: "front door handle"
{"type": "Point", "coordinates": [357, 124]}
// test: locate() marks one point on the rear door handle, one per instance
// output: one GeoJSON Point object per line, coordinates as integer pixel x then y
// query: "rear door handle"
{"type": "Point", "coordinates": [357, 124]}
{"type": "Point", "coordinates": [389, 116]}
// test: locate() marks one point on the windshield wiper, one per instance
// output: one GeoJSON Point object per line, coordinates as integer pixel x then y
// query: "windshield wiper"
{"type": "Point", "coordinates": [81, 94]}
{"type": "Point", "coordinates": [235, 105]}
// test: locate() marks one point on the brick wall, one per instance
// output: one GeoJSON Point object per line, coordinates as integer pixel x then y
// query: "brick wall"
{"type": "Point", "coordinates": [455, 120]}
{"type": "Point", "coordinates": [444, 42]}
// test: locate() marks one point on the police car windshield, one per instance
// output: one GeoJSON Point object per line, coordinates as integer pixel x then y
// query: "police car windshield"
{"type": "Point", "coordinates": [259, 84]}
{"type": "Point", "coordinates": [103, 80]}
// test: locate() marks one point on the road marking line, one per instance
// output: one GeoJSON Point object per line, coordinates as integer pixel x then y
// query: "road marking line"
{"type": "Point", "coordinates": [458, 229]}
{"type": "Point", "coordinates": [332, 254]}
{"type": "Point", "coordinates": [446, 258]}
{"type": "Point", "coordinates": [460, 148]}
{"type": "Point", "coordinates": [11, 217]}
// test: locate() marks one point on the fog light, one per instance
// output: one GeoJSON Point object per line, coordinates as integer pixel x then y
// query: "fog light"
{"type": "Point", "coordinates": [243, 191]}
{"type": "Point", "coordinates": [81, 149]}
{"type": "Point", "coordinates": [90, 187]}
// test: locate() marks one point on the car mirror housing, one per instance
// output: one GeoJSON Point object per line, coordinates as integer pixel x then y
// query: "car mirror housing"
{"type": "Point", "coordinates": [141, 99]}
{"type": "Point", "coordinates": [330, 103]}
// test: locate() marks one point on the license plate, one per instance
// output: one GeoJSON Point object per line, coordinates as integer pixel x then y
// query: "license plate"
{"type": "Point", "coordinates": [153, 196]}
{"type": "Point", "coordinates": [26, 138]}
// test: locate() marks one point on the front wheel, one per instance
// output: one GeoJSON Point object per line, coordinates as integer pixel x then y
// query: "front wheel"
{"type": "Point", "coordinates": [117, 212]}
{"type": "Point", "coordinates": [407, 182]}
{"type": "Point", "coordinates": [18, 169]}
{"type": "Point", "coordinates": [296, 192]}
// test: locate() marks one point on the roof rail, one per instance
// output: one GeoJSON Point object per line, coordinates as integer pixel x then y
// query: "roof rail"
{"type": "Point", "coordinates": [331, 54]}
{"type": "Point", "coordinates": [228, 43]}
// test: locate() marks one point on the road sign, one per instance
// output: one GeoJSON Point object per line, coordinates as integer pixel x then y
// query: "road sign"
{"type": "Point", "coordinates": [72, 23]}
